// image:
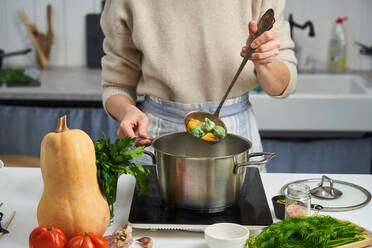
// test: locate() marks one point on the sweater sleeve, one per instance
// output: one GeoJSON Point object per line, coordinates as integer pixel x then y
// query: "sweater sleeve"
{"type": "Point", "coordinates": [286, 53]}
{"type": "Point", "coordinates": [121, 65]}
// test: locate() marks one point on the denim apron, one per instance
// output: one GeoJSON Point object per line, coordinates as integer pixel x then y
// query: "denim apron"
{"type": "Point", "coordinates": [237, 114]}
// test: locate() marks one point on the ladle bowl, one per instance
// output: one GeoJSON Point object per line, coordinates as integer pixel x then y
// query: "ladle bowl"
{"type": "Point", "coordinates": [200, 116]}
{"type": "Point", "coordinates": [266, 23]}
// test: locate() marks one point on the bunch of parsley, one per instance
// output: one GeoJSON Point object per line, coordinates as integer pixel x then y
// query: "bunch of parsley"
{"type": "Point", "coordinates": [14, 76]}
{"type": "Point", "coordinates": [306, 232]}
{"type": "Point", "coordinates": [113, 159]}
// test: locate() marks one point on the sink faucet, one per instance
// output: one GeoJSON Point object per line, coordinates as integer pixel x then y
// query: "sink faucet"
{"type": "Point", "coordinates": [366, 50]}
{"type": "Point", "coordinates": [293, 24]}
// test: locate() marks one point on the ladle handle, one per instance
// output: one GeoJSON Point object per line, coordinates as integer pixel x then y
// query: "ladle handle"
{"type": "Point", "coordinates": [266, 23]}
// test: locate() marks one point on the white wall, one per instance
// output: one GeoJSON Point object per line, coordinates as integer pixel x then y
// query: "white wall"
{"type": "Point", "coordinates": [323, 13]}
{"type": "Point", "coordinates": [68, 20]}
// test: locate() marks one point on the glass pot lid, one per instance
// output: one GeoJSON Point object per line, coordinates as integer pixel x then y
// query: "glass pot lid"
{"type": "Point", "coordinates": [349, 196]}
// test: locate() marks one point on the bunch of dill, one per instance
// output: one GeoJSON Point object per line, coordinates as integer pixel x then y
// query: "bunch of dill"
{"type": "Point", "coordinates": [306, 232]}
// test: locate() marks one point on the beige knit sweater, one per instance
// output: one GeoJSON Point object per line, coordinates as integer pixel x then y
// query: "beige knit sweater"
{"type": "Point", "coordinates": [184, 50]}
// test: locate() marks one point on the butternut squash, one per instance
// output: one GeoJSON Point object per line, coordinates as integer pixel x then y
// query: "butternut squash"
{"type": "Point", "coordinates": [72, 200]}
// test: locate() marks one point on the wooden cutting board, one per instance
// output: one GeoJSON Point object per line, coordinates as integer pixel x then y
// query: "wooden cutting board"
{"type": "Point", "coordinates": [363, 243]}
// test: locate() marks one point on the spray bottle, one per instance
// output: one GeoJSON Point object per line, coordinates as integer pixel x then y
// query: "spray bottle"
{"type": "Point", "coordinates": [337, 47]}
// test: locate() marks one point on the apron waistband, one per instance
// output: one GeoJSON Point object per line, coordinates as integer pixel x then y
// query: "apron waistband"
{"type": "Point", "coordinates": [175, 112]}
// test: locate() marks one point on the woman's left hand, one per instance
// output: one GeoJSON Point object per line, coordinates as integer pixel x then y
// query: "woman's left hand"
{"type": "Point", "coordinates": [266, 45]}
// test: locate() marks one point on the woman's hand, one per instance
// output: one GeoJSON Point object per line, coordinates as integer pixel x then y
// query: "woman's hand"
{"type": "Point", "coordinates": [133, 122]}
{"type": "Point", "coordinates": [267, 45]}
{"type": "Point", "coordinates": [272, 74]}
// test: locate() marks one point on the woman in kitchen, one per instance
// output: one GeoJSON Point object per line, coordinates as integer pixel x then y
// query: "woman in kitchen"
{"type": "Point", "coordinates": [182, 55]}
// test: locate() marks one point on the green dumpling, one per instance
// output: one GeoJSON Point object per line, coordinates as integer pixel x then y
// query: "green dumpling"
{"type": "Point", "coordinates": [219, 131]}
{"type": "Point", "coordinates": [208, 125]}
{"type": "Point", "coordinates": [198, 131]}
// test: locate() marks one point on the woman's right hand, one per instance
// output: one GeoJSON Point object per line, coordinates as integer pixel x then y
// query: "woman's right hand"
{"type": "Point", "coordinates": [133, 122]}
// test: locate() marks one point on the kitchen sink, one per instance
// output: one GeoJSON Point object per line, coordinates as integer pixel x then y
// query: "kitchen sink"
{"type": "Point", "coordinates": [328, 84]}
{"type": "Point", "coordinates": [322, 102]}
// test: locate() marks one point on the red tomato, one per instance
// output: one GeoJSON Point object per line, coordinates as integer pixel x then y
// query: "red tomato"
{"type": "Point", "coordinates": [87, 240]}
{"type": "Point", "coordinates": [47, 237]}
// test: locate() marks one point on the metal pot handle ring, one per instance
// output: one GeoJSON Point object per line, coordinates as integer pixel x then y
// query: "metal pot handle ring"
{"type": "Point", "coordinates": [151, 155]}
{"type": "Point", "coordinates": [268, 156]}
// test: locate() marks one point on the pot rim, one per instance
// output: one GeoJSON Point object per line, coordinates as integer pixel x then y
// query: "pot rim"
{"type": "Point", "coordinates": [201, 158]}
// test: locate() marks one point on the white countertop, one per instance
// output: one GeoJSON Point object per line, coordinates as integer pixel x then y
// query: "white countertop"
{"type": "Point", "coordinates": [72, 84]}
{"type": "Point", "coordinates": [21, 188]}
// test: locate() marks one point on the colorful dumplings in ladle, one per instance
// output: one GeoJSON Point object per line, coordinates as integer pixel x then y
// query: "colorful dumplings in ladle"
{"type": "Point", "coordinates": [206, 130]}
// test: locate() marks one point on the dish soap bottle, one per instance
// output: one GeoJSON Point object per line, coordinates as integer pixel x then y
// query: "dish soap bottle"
{"type": "Point", "coordinates": [337, 47]}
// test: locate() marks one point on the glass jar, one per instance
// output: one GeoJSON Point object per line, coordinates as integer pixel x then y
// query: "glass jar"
{"type": "Point", "coordinates": [297, 200]}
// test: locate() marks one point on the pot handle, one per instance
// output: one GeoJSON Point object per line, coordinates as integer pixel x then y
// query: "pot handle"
{"type": "Point", "coordinates": [151, 155]}
{"type": "Point", "coordinates": [268, 156]}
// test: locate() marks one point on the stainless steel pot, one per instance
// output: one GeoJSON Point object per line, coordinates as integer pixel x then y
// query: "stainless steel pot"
{"type": "Point", "coordinates": [201, 176]}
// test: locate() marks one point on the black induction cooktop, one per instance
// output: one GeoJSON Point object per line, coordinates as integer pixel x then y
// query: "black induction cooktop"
{"type": "Point", "coordinates": [252, 208]}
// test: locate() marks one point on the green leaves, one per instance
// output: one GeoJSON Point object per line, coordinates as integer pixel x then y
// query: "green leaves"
{"type": "Point", "coordinates": [115, 159]}
{"type": "Point", "coordinates": [306, 232]}
{"type": "Point", "coordinates": [13, 76]}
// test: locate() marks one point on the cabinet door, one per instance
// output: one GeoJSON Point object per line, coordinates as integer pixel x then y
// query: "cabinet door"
{"type": "Point", "coordinates": [22, 128]}
{"type": "Point", "coordinates": [341, 155]}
